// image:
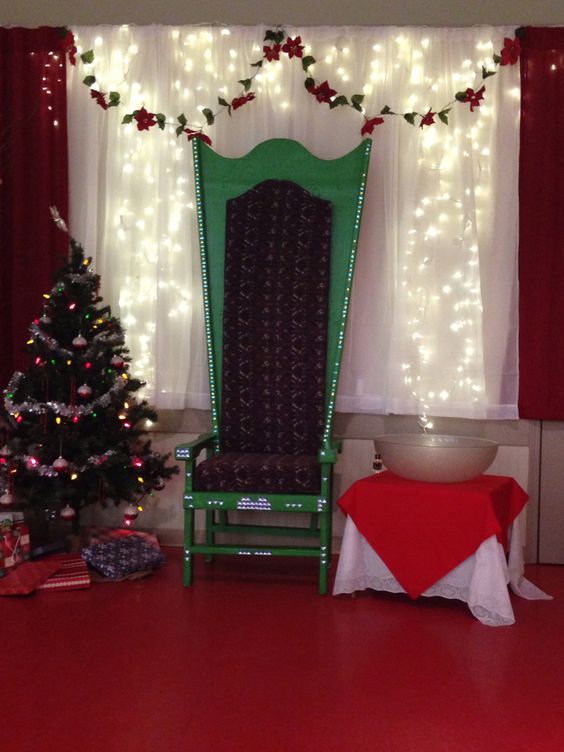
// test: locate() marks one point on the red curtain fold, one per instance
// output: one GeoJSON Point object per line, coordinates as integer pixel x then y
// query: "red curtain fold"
{"type": "Point", "coordinates": [33, 177]}
{"type": "Point", "coordinates": [541, 225]}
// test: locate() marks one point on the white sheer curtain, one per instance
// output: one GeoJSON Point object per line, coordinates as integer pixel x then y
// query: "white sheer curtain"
{"type": "Point", "coordinates": [433, 320]}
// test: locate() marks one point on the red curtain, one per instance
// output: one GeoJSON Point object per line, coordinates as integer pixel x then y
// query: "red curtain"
{"type": "Point", "coordinates": [33, 177]}
{"type": "Point", "coordinates": [541, 225]}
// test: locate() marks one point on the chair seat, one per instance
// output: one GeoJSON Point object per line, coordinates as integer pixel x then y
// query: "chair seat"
{"type": "Point", "coordinates": [259, 473]}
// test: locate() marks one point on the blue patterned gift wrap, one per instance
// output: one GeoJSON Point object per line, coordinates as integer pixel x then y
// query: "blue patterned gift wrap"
{"type": "Point", "coordinates": [118, 558]}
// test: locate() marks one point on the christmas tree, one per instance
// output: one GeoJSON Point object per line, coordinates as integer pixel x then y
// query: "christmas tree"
{"type": "Point", "coordinates": [78, 429]}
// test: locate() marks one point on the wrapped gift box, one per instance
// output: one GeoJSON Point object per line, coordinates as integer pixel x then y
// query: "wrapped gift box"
{"type": "Point", "coordinates": [122, 556]}
{"type": "Point", "coordinates": [14, 545]}
{"type": "Point", "coordinates": [72, 575]}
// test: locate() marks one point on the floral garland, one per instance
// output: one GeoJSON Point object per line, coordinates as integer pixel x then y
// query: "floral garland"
{"type": "Point", "coordinates": [277, 44]}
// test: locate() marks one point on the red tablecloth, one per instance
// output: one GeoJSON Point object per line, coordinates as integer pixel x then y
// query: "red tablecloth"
{"type": "Point", "coordinates": [424, 530]}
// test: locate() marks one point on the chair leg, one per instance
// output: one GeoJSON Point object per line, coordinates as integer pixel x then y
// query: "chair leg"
{"type": "Point", "coordinates": [188, 543]}
{"type": "Point", "coordinates": [325, 550]}
{"type": "Point", "coordinates": [210, 535]}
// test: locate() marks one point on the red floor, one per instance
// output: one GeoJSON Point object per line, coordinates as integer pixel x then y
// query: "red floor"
{"type": "Point", "coordinates": [252, 659]}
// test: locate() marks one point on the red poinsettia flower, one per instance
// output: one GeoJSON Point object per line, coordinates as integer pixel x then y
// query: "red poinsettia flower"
{"type": "Point", "coordinates": [369, 125]}
{"type": "Point", "coordinates": [293, 47]}
{"type": "Point", "coordinates": [510, 52]}
{"type": "Point", "coordinates": [69, 47]}
{"type": "Point", "coordinates": [197, 134]}
{"type": "Point", "coordinates": [145, 120]}
{"type": "Point", "coordinates": [427, 119]}
{"type": "Point", "coordinates": [100, 98]}
{"type": "Point", "coordinates": [323, 92]}
{"type": "Point", "coordinates": [240, 101]}
{"type": "Point", "coordinates": [272, 53]}
{"type": "Point", "coordinates": [474, 97]}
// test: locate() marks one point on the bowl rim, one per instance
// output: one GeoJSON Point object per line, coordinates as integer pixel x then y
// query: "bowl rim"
{"type": "Point", "coordinates": [415, 440]}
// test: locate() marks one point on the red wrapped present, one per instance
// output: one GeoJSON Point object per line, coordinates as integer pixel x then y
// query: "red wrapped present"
{"type": "Point", "coordinates": [14, 545]}
{"type": "Point", "coordinates": [73, 574]}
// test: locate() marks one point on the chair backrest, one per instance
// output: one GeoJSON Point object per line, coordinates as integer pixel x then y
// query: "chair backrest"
{"type": "Point", "coordinates": [276, 302]}
{"type": "Point", "coordinates": [278, 234]}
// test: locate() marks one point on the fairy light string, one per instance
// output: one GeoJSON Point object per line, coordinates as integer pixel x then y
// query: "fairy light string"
{"type": "Point", "coordinates": [448, 206]}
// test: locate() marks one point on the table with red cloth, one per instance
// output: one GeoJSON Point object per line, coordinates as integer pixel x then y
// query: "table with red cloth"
{"type": "Point", "coordinates": [447, 539]}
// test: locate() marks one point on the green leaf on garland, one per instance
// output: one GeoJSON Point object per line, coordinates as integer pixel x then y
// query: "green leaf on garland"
{"type": "Point", "coordinates": [386, 110]}
{"type": "Point", "coordinates": [179, 130]}
{"type": "Point", "coordinates": [460, 96]}
{"type": "Point", "coordinates": [161, 120]}
{"type": "Point", "coordinates": [309, 83]}
{"type": "Point", "coordinates": [338, 102]}
{"type": "Point", "coordinates": [443, 116]}
{"type": "Point", "coordinates": [209, 116]}
{"type": "Point", "coordinates": [89, 80]}
{"type": "Point", "coordinates": [356, 101]}
{"type": "Point", "coordinates": [127, 119]}
{"type": "Point", "coordinates": [487, 73]}
{"type": "Point", "coordinates": [307, 61]}
{"type": "Point", "coordinates": [258, 64]}
{"type": "Point", "coordinates": [410, 117]}
{"type": "Point", "coordinates": [246, 83]}
{"type": "Point", "coordinates": [114, 98]}
{"type": "Point", "coordinates": [275, 36]}
{"type": "Point", "coordinates": [497, 59]}
{"type": "Point", "coordinates": [87, 57]}
{"type": "Point", "coordinates": [182, 119]}
{"type": "Point", "coordinates": [222, 102]}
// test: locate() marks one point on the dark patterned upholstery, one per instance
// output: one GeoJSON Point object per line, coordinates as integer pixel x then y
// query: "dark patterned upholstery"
{"type": "Point", "coordinates": [277, 255]}
{"type": "Point", "coordinates": [259, 473]}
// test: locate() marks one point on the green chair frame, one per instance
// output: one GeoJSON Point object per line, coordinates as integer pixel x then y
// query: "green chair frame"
{"type": "Point", "coordinates": [217, 179]}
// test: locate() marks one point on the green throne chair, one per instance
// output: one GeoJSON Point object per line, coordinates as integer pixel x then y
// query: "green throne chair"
{"type": "Point", "coordinates": [278, 235]}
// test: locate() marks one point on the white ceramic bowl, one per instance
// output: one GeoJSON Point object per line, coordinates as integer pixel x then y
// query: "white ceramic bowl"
{"type": "Point", "coordinates": [435, 458]}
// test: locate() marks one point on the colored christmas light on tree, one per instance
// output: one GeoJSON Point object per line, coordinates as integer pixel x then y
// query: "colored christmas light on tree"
{"type": "Point", "coordinates": [78, 427]}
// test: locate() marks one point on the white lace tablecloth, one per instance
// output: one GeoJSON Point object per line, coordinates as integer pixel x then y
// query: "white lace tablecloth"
{"type": "Point", "coordinates": [480, 581]}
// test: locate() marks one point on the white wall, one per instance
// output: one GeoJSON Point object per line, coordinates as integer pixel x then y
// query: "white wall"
{"type": "Point", "coordinates": [312, 13]}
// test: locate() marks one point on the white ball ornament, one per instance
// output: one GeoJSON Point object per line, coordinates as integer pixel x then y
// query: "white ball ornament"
{"type": "Point", "coordinates": [68, 513]}
{"type": "Point", "coordinates": [158, 484]}
{"type": "Point", "coordinates": [46, 320]}
{"type": "Point", "coordinates": [6, 499]}
{"type": "Point", "coordinates": [79, 342]}
{"type": "Point", "coordinates": [84, 391]}
{"type": "Point", "coordinates": [60, 465]}
{"type": "Point", "coordinates": [130, 513]}
{"type": "Point", "coordinates": [5, 451]}
{"type": "Point", "coordinates": [117, 361]}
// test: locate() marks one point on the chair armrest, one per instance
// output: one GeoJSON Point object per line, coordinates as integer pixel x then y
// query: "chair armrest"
{"type": "Point", "coordinates": [329, 450]}
{"type": "Point", "coordinates": [192, 449]}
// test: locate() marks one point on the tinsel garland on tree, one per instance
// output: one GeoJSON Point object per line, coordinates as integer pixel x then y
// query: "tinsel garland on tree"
{"type": "Point", "coordinates": [78, 429]}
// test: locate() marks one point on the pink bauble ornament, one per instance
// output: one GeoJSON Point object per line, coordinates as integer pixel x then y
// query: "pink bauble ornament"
{"type": "Point", "coordinates": [117, 361]}
{"type": "Point", "coordinates": [79, 342]}
{"type": "Point", "coordinates": [60, 465]}
{"type": "Point", "coordinates": [5, 451]}
{"type": "Point", "coordinates": [84, 391]}
{"type": "Point", "coordinates": [158, 484]}
{"type": "Point", "coordinates": [45, 320]}
{"type": "Point", "coordinates": [68, 513]}
{"type": "Point", "coordinates": [130, 513]}
{"type": "Point", "coordinates": [6, 499]}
